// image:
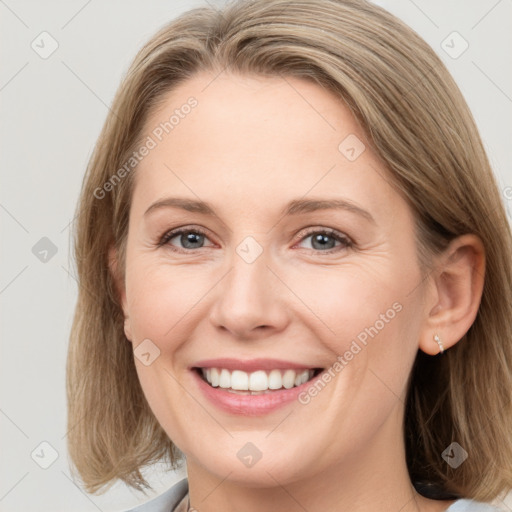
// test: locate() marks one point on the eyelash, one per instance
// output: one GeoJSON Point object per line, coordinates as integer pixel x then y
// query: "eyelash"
{"type": "Point", "coordinates": [345, 241]}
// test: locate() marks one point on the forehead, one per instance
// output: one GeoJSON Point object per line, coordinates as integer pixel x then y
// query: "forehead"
{"type": "Point", "coordinates": [257, 138]}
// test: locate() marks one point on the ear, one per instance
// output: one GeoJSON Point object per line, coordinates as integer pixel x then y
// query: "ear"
{"type": "Point", "coordinates": [113, 264]}
{"type": "Point", "coordinates": [455, 293]}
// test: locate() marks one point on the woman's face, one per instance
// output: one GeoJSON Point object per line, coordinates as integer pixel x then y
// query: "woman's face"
{"type": "Point", "coordinates": [266, 282]}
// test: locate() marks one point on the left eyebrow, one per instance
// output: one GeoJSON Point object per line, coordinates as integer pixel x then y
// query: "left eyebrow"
{"type": "Point", "coordinates": [298, 206]}
{"type": "Point", "coordinates": [294, 207]}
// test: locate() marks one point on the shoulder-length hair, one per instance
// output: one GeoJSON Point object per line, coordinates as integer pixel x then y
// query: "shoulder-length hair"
{"type": "Point", "coordinates": [420, 126]}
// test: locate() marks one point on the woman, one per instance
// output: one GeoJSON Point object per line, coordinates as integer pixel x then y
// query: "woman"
{"type": "Point", "coordinates": [295, 272]}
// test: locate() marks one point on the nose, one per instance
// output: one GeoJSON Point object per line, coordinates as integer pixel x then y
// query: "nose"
{"type": "Point", "coordinates": [250, 300]}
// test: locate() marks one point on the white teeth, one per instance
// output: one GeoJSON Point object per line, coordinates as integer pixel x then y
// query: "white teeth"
{"type": "Point", "coordinates": [275, 380]}
{"type": "Point", "coordinates": [239, 380]}
{"type": "Point", "coordinates": [288, 379]}
{"type": "Point", "coordinates": [225, 379]}
{"type": "Point", "coordinates": [214, 376]}
{"type": "Point", "coordinates": [259, 380]}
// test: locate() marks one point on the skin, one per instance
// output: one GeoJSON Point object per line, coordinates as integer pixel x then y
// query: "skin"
{"type": "Point", "coordinates": [250, 146]}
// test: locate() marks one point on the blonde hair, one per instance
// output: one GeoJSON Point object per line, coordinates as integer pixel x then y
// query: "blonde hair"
{"type": "Point", "coordinates": [417, 122]}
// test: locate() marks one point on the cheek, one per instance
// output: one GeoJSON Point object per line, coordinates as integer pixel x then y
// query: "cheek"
{"type": "Point", "coordinates": [369, 317]}
{"type": "Point", "coordinates": [161, 296]}
{"type": "Point", "coordinates": [350, 300]}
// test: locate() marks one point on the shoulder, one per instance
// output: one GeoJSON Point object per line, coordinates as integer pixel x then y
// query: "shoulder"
{"type": "Point", "coordinates": [166, 501]}
{"type": "Point", "coordinates": [465, 505]}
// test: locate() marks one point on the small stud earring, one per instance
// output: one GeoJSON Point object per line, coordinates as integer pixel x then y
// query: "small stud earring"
{"type": "Point", "coordinates": [437, 339]}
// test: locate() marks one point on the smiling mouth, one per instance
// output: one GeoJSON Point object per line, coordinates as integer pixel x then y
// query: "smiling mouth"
{"type": "Point", "coordinates": [258, 382]}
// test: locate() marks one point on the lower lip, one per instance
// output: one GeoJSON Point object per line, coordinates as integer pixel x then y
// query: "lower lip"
{"type": "Point", "coordinates": [250, 405]}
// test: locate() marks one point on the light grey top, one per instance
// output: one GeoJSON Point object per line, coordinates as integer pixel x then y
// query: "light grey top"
{"type": "Point", "coordinates": [471, 506]}
{"type": "Point", "coordinates": [170, 499]}
{"type": "Point", "coordinates": [167, 501]}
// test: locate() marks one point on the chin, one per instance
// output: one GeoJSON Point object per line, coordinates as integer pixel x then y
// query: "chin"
{"type": "Point", "coordinates": [276, 468]}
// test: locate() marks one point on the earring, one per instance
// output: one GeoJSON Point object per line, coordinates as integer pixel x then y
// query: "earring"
{"type": "Point", "coordinates": [437, 339]}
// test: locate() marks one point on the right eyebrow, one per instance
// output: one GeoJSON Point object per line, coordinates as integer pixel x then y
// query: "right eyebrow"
{"type": "Point", "coordinates": [190, 205]}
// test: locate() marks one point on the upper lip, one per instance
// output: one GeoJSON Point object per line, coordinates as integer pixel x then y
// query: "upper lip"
{"type": "Point", "coordinates": [249, 365]}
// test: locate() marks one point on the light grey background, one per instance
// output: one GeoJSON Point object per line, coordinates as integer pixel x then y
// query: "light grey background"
{"type": "Point", "coordinates": [51, 113]}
